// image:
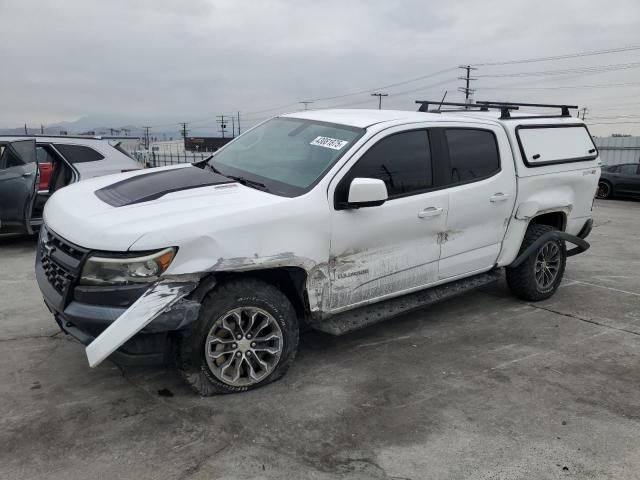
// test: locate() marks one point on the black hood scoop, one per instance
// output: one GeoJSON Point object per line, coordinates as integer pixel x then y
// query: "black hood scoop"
{"type": "Point", "coordinates": [153, 185]}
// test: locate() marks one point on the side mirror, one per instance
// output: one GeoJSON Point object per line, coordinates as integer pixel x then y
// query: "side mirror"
{"type": "Point", "coordinates": [367, 192]}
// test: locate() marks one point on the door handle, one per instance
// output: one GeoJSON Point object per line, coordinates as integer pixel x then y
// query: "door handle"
{"type": "Point", "coordinates": [430, 212]}
{"type": "Point", "coordinates": [498, 197]}
{"type": "Point", "coordinates": [27, 174]}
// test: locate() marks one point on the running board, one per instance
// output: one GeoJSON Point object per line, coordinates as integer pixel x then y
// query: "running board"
{"type": "Point", "coordinates": [362, 317]}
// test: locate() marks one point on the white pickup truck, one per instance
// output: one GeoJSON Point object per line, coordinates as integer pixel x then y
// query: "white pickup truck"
{"type": "Point", "coordinates": [331, 219]}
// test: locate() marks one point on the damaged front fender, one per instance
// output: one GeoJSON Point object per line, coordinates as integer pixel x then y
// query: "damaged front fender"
{"type": "Point", "coordinates": [161, 296]}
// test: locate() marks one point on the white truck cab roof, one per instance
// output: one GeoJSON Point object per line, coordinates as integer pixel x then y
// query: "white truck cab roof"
{"type": "Point", "coordinates": [365, 118]}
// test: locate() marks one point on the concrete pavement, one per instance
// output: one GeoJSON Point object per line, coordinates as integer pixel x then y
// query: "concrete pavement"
{"type": "Point", "coordinates": [483, 386]}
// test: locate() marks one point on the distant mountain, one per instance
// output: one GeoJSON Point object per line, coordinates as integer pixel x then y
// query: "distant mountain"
{"type": "Point", "coordinates": [106, 125]}
{"type": "Point", "coordinates": [99, 124]}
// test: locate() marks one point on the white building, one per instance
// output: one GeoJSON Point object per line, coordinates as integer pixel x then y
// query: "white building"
{"type": "Point", "coordinates": [617, 150]}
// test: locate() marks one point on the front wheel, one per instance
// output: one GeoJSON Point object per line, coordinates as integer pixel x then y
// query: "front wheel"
{"type": "Point", "coordinates": [539, 276]}
{"type": "Point", "coordinates": [246, 337]}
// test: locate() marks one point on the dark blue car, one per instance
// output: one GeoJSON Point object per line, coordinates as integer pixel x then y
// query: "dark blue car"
{"type": "Point", "coordinates": [619, 180]}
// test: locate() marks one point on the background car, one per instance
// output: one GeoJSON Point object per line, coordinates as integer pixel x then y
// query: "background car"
{"type": "Point", "coordinates": [619, 180]}
{"type": "Point", "coordinates": [33, 168]}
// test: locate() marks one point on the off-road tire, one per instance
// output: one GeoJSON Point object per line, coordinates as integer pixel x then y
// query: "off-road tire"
{"type": "Point", "coordinates": [605, 190]}
{"type": "Point", "coordinates": [522, 279]}
{"type": "Point", "coordinates": [190, 351]}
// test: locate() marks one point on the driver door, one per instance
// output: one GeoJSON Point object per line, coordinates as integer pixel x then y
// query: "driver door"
{"type": "Point", "coordinates": [18, 184]}
{"type": "Point", "coordinates": [386, 250]}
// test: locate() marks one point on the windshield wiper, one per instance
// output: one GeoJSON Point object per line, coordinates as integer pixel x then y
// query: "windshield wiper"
{"type": "Point", "coordinates": [247, 182]}
{"type": "Point", "coordinates": [244, 181]}
{"type": "Point", "coordinates": [203, 162]}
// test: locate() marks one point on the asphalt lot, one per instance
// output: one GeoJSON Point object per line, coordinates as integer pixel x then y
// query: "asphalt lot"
{"type": "Point", "coordinates": [482, 386]}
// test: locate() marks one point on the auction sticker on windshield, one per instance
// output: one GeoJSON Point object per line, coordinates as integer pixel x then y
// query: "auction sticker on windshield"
{"type": "Point", "coordinates": [327, 142]}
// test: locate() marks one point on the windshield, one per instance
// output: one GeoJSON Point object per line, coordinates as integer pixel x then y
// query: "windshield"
{"type": "Point", "coordinates": [285, 156]}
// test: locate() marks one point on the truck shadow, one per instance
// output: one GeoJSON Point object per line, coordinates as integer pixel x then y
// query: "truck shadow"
{"type": "Point", "coordinates": [18, 240]}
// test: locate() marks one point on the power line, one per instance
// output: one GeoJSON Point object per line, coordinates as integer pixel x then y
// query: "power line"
{"type": "Point", "coordinates": [450, 69]}
{"type": "Point", "coordinates": [583, 70]}
{"type": "Point", "coordinates": [559, 57]}
{"type": "Point", "coordinates": [594, 69]}
{"type": "Point", "coordinates": [281, 107]}
{"type": "Point", "coordinates": [614, 117]}
{"type": "Point", "coordinates": [602, 85]}
{"type": "Point", "coordinates": [424, 87]}
{"type": "Point", "coordinates": [384, 87]}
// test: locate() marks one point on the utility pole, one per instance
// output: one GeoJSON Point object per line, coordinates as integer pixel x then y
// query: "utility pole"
{"type": "Point", "coordinates": [41, 129]}
{"type": "Point", "coordinates": [223, 125]}
{"type": "Point", "coordinates": [184, 131]}
{"type": "Point", "coordinates": [467, 79]}
{"type": "Point", "coordinates": [379, 95]}
{"type": "Point", "coordinates": [25, 129]}
{"type": "Point", "coordinates": [233, 127]}
{"type": "Point", "coordinates": [238, 123]}
{"type": "Point", "coordinates": [584, 113]}
{"type": "Point", "coordinates": [146, 137]}
{"type": "Point", "coordinates": [306, 104]}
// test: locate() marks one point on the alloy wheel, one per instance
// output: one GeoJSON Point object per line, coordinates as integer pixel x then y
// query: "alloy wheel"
{"type": "Point", "coordinates": [547, 265]}
{"type": "Point", "coordinates": [603, 190]}
{"type": "Point", "coordinates": [244, 346]}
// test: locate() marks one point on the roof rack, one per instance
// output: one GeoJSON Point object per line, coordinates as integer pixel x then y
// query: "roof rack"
{"type": "Point", "coordinates": [504, 107]}
{"type": "Point", "coordinates": [478, 106]}
{"type": "Point", "coordinates": [564, 109]}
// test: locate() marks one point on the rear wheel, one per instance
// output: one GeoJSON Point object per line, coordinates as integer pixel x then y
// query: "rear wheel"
{"type": "Point", "coordinates": [604, 189]}
{"type": "Point", "coordinates": [246, 337]}
{"type": "Point", "coordinates": [538, 277]}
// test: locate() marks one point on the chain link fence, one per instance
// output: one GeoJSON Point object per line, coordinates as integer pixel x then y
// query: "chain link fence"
{"type": "Point", "coordinates": [162, 159]}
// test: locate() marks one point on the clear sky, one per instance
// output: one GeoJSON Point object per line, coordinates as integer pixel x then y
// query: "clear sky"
{"type": "Point", "coordinates": [159, 62]}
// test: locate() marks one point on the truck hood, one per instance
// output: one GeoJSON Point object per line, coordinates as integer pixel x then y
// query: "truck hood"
{"type": "Point", "coordinates": [111, 213]}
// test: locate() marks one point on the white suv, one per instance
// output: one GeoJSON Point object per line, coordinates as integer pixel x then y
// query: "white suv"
{"type": "Point", "coordinates": [33, 168]}
{"type": "Point", "coordinates": [333, 219]}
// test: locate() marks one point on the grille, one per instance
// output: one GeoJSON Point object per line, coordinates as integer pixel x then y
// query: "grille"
{"type": "Point", "coordinates": [53, 250]}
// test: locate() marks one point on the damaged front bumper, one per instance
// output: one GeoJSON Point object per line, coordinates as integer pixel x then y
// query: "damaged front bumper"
{"type": "Point", "coordinates": [160, 309]}
{"type": "Point", "coordinates": [131, 324]}
{"type": "Point", "coordinates": [158, 299]}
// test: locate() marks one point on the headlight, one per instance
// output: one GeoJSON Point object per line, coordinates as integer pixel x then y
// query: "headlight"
{"type": "Point", "coordinates": [123, 270]}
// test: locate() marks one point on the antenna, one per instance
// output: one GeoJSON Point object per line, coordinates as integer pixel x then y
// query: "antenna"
{"type": "Point", "coordinates": [443, 97]}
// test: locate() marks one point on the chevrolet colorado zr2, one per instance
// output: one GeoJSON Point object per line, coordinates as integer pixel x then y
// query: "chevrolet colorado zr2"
{"type": "Point", "coordinates": [328, 219]}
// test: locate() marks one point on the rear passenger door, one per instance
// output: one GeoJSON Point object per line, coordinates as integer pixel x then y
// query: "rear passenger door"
{"type": "Point", "coordinates": [385, 250]}
{"type": "Point", "coordinates": [482, 191]}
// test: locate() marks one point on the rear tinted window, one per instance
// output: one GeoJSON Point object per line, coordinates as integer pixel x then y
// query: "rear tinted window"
{"type": "Point", "coordinates": [473, 154]}
{"type": "Point", "coordinates": [402, 161]}
{"type": "Point", "coordinates": [543, 145]}
{"type": "Point", "coordinates": [78, 153]}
